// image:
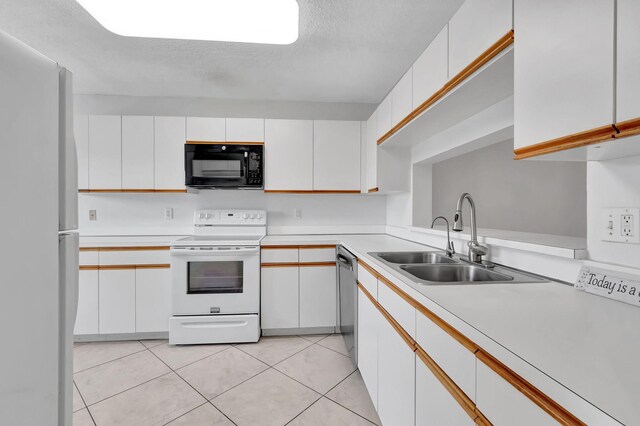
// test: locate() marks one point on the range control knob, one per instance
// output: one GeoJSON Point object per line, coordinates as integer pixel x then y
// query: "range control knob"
{"type": "Point", "coordinates": [209, 216]}
{"type": "Point", "coordinates": [245, 216]}
{"type": "Point", "coordinates": [259, 215]}
{"type": "Point", "coordinates": [202, 216]}
{"type": "Point", "coordinates": [252, 216]}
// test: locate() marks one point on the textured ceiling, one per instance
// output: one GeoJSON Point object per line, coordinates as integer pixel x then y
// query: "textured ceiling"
{"type": "Point", "coordinates": [347, 51]}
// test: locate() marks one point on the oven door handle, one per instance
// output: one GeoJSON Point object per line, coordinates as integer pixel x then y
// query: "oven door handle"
{"type": "Point", "coordinates": [216, 251]}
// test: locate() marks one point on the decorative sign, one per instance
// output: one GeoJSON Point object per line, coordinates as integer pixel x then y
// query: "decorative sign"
{"type": "Point", "coordinates": [604, 283]}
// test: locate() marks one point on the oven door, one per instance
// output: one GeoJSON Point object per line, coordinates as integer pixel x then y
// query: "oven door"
{"type": "Point", "coordinates": [215, 280]}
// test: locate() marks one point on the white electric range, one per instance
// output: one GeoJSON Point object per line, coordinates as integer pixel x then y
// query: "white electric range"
{"type": "Point", "coordinates": [216, 278]}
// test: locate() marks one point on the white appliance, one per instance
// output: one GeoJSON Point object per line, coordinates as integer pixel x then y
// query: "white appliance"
{"type": "Point", "coordinates": [39, 259]}
{"type": "Point", "coordinates": [215, 294]}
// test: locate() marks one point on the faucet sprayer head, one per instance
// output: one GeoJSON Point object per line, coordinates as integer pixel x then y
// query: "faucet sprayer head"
{"type": "Point", "coordinates": [458, 226]}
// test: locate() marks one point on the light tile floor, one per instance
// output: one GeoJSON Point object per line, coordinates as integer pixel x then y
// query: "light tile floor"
{"type": "Point", "coordinates": [296, 380]}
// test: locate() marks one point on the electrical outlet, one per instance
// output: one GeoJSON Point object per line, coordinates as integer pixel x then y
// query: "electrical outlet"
{"type": "Point", "coordinates": [168, 213]}
{"type": "Point", "coordinates": [93, 215]}
{"type": "Point", "coordinates": [297, 213]}
{"type": "Point", "coordinates": [621, 225]}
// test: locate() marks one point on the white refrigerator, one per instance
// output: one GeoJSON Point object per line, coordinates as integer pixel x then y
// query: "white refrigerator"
{"type": "Point", "coordinates": [39, 250]}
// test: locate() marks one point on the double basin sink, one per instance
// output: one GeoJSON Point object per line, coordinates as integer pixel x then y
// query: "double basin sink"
{"type": "Point", "coordinates": [437, 268]}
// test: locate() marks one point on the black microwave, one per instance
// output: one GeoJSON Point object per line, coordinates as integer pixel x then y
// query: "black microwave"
{"type": "Point", "coordinates": [224, 166]}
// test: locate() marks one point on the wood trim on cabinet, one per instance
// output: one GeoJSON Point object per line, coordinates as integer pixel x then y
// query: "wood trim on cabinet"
{"type": "Point", "coordinates": [126, 248]}
{"type": "Point", "coordinates": [223, 143]}
{"type": "Point", "coordinates": [527, 389]}
{"type": "Point", "coordinates": [89, 267]}
{"type": "Point", "coordinates": [401, 331]}
{"type": "Point", "coordinates": [132, 191]}
{"type": "Point", "coordinates": [158, 266]}
{"type": "Point", "coordinates": [481, 420]}
{"type": "Point", "coordinates": [296, 264]}
{"type": "Point", "coordinates": [575, 140]}
{"type": "Point", "coordinates": [280, 265]}
{"type": "Point", "coordinates": [463, 400]}
{"type": "Point", "coordinates": [500, 45]}
{"type": "Point", "coordinates": [628, 128]}
{"type": "Point", "coordinates": [372, 190]}
{"type": "Point", "coordinates": [114, 267]}
{"type": "Point", "coordinates": [302, 247]}
{"type": "Point", "coordinates": [312, 191]}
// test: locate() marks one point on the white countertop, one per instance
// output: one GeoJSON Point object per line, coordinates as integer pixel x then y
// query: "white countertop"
{"type": "Point", "coordinates": [584, 342]}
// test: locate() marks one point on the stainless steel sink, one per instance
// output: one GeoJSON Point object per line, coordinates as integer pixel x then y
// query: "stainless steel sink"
{"type": "Point", "coordinates": [411, 257]}
{"type": "Point", "coordinates": [435, 268]}
{"type": "Point", "coordinates": [454, 273]}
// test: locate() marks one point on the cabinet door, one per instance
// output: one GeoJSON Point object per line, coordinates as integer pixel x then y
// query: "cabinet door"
{"type": "Point", "coordinates": [396, 378]}
{"type": "Point", "coordinates": [430, 69]}
{"type": "Point", "coordinates": [384, 117]}
{"type": "Point", "coordinates": [434, 404]}
{"type": "Point", "coordinates": [336, 155]}
{"type": "Point", "coordinates": [628, 56]}
{"type": "Point", "coordinates": [563, 68]}
{"type": "Point", "coordinates": [476, 26]}
{"type": "Point", "coordinates": [503, 404]}
{"type": "Point", "coordinates": [244, 130]}
{"type": "Point", "coordinates": [137, 152]}
{"type": "Point", "coordinates": [105, 152]}
{"type": "Point", "coordinates": [402, 98]}
{"type": "Point", "coordinates": [169, 152]}
{"type": "Point", "coordinates": [153, 299]}
{"type": "Point", "coordinates": [117, 301]}
{"type": "Point", "coordinates": [288, 155]}
{"type": "Point", "coordinates": [87, 316]}
{"type": "Point", "coordinates": [368, 318]}
{"type": "Point", "coordinates": [279, 296]}
{"type": "Point", "coordinates": [81, 134]}
{"type": "Point", "coordinates": [318, 296]}
{"type": "Point", "coordinates": [206, 129]}
{"type": "Point", "coordinates": [372, 153]}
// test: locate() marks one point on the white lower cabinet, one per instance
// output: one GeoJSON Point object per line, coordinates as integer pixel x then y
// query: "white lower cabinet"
{"type": "Point", "coordinates": [318, 296]}
{"type": "Point", "coordinates": [502, 404]}
{"type": "Point", "coordinates": [396, 378]}
{"type": "Point", "coordinates": [117, 301]}
{"type": "Point", "coordinates": [87, 316]}
{"type": "Point", "coordinates": [279, 297]}
{"type": "Point", "coordinates": [434, 404]}
{"type": "Point", "coordinates": [368, 318]}
{"type": "Point", "coordinates": [153, 299]}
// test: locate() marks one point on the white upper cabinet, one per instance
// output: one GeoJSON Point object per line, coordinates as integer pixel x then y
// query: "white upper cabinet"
{"type": "Point", "coordinates": [371, 153]}
{"type": "Point", "coordinates": [244, 130]}
{"type": "Point", "coordinates": [336, 155]}
{"type": "Point", "coordinates": [81, 134]}
{"type": "Point", "coordinates": [137, 152]}
{"type": "Point", "coordinates": [430, 69]}
{"type": "Point", "coordinates": [564, 81]}
{"type": "Point", "coordinates": [288, 155]}
{"type": "Point", "coordinates": [105, 152]}
{"type": "Point", "coordinates": [169, 152]}
{"type": "Point", "coordinates": [402, 98]}
{"type": "Point", "coordinates": [628, 56]}
{"type": "Point", "coordinates": [206, 129]}
{"type": "Point", "coordinates": [384, 117]}
{"type": "Point", "coordinates": [476, 26]}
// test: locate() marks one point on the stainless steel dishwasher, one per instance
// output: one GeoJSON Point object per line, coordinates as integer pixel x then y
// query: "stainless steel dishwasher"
{"type": "Point", "coordinates": [348, 300]}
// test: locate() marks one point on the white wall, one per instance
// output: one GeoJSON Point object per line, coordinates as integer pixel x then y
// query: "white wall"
{"type": "Point", "coordinates": [207, 107]}
{"type": "Point", "coordinates": [613, 183]}
{"type": "Point", "coordinates": [140, 213]}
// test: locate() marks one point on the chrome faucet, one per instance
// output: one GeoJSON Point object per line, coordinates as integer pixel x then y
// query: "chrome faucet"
{"type": "Point", "coordinates": [476, 251]}
{"type": "Point", "coordinates": [450, 250]}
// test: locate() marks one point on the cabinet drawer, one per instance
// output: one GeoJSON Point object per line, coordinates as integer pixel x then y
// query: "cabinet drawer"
{"type": "Point", "coordinates": [399, 308]}
{"type": "Point", "coordinates": [317, 254]}
{"type": "Point", "coordinates": [503, 404]}
{"type": "Point", "coordinates": [286, 255]}
{"type": "Point", "coordinates": [368, 280]}
{"type": "Point", "coordinates": [88, 258]}
{"type": "Point", "coordinates": [134, 257]}
{"type": "Point", "coordinates": [456, 360]}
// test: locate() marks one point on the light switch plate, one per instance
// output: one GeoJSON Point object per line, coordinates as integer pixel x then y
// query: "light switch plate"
{"type": "Point", "coordinates": [93, 215]}
{"type": "Point", "coordinates": [621, 225]}
{"type": "Point", "coordinates": [168, 213]}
